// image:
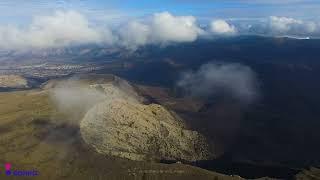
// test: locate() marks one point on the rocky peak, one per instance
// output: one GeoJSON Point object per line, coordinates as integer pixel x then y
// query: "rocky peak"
{"type": "Point", "coordinates": [121, 125]}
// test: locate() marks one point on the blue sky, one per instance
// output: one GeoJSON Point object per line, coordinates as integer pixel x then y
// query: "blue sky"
{"type": "Point", "coordinates": [20, 11]}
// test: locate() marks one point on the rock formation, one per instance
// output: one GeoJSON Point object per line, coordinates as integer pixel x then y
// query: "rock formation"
{"type": "Point", "coordinates": [13, 81]}
{"type": "Point", "coordinates": [121, 125]}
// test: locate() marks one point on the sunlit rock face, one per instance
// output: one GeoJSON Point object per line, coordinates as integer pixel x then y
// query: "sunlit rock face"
{"type": "Point", "coordinates": [123, 126]}
{"type": "Point", "coordinates": [13, 81]}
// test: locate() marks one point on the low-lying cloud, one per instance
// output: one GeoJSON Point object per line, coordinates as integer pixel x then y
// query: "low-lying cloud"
{"type": "Point", "coordinates": [74, 99]}
{"type": "Point", "coordinates": [161, 28]}
{"type": "Point", "coordinates": [167, 28]}
{"type": "Point", "coordinates": [285, 25]}
{"type": "Point", "coordinates": [134, 34]}
{"type": "Point", "coordinates": [68, 28]}
{"type": "Point", "coordinates": [61, 29]}
{"type": "Point", "coordinates": [236, 80]}
{"type": "Point", "coordinates": [221, 27]}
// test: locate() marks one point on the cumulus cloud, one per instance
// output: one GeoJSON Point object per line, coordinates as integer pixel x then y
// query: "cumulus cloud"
{"type": "Point", "coordinates": [222, 27]}
{"type": "Point", "coordinates": [237, 80]}
{"type": "Point", "coordinates": [285, 25]}
{"type": "Point", "coordinates": [134, 34]}
{"type": "Point", "coordinates": [166, 27]}
{"type": "Point", "coordinates": [161, 28]}
{"type": "Point", "coordinates": [64, 28]}
{"type": "Point", "coordinates": [67, 28]}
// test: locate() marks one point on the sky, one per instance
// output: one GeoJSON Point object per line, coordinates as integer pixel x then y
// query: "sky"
{"type": "Point", "coordinates": [20, 11]}
{"type": "Point", "coordinates": [134, 23]}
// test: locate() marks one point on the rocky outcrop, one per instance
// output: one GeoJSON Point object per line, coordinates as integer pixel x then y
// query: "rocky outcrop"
{"type": "Point", "coordinates": [310, 173]}
{"type": "Point", "coordinates": [13, 81]}
{"type": "Point", "coordinates": [121, 125]}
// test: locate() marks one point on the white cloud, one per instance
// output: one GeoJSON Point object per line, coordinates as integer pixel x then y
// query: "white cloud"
{"type": "Point", "coordinates": [237, 80]}
{"type": "Point", "coordinates": [222, 27]}
{"type": "Point", "coordinates": [285, 25]}
{"type": "Point", "coordinates": [161, 28]}
{"type": "Point", "coordinates": [61, 29]}
{"type": "Point", "coordinates": [66, 28]}
{"type": "Point", "coordinates": [73, 99]}
{"type": "Point", "coordinates": [168, 28]}
{"type": "Point", "coordinates": [134, 34]}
